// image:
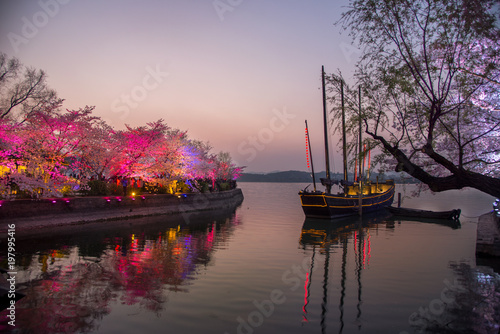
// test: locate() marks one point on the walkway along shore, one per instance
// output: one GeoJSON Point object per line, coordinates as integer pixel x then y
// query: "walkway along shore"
{"type": "Point", "coordinates": [35, 214]}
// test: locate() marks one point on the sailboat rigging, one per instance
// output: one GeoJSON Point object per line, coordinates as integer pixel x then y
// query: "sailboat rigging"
{"type": "Point", "coordinates": [355, 197]}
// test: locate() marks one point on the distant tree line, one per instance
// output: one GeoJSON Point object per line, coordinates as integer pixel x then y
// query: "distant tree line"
{"type": "Point", "coordinates": [300, 176]}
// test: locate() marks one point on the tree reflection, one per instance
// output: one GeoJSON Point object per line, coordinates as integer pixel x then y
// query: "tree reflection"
{"type": "Point", "coordinates": [69, 291]}
{"type": "Point", "coordinates": [467, 305]}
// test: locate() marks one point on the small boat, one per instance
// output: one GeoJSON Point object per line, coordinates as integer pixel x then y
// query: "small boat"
{"type": "Point", "coordinates": [355, 198]}
{"type": "Point", "coordinates": [406, 212]}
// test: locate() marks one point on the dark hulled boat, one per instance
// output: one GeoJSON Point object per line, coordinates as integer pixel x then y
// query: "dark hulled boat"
{"type": "Point", "coordinates": [406, 212]}
{"type": "Point", "coordinates": [324, 205]}
{"type": "Point", "coordinates": [355, 197]}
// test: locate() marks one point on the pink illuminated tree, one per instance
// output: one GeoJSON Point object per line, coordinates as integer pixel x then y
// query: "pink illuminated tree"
{"type": "Point", "coordinates": [45, 151]}
{"type": "Point", "coordinates": [48, 149]}
{"type": "Point", "coordinates": [138, 150]}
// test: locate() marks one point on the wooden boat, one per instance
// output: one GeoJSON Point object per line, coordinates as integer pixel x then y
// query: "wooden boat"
{"type": "Point", "coordinates": [354, 198]}
{"type": "Point", "coordinates": [324, 205]}
{"type": "Point", "coordinates": [406, 212]}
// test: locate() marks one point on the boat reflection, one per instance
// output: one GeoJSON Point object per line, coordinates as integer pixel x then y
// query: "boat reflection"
{"type": "Point", "coordinates": [453, 223]}
{"type": "Point", "coordinates": [341, 251]}
{"type": "Point", "coordinates": [72, 285]}
{"type": "Point", "coordinates": [347, 239]}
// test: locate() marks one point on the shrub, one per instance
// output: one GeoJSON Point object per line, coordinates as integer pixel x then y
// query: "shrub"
{"type": "Point", "coordinates": [67, 191]}
{"type": "Point", "coordinates": [115, 189]}
{"type": "Point", "coordinates": [98, 188]}
{"type": "Point", "coordinates": [183, 187]}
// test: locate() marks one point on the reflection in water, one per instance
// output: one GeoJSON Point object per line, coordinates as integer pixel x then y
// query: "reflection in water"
{"type": "Point", "coordinates": [453, 223]}
{"type": "Point", "coordinates": [377, 274]}
{"type": "Point", "coordinates": [474, 294]}
{"type": "Point", "coordinates": [468, 305]}
{"type": "Point", "coordinates": [330, 236]}
{"type": "Point", "coordinates": [70, 287]}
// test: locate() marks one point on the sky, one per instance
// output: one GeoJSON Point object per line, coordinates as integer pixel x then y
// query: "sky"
{"type": "Point", "coordinates": [242, 75]}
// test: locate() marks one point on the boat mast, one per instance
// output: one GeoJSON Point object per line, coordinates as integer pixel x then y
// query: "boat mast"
{"type": "Point", "coordinates": [360, 170]}
{"type": "Point", "coordinates": [344, 143]}
{"type": "Point", "coordinates": [310, 156]}
{"type": "Point", "coordinates": [325, 125]}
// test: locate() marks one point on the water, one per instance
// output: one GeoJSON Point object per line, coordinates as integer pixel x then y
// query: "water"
{"type": "Point", "coordinates": [260, 269]}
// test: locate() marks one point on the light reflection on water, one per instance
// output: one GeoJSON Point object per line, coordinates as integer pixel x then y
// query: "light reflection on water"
{"type": "Point", "coordinates": [261, 269]}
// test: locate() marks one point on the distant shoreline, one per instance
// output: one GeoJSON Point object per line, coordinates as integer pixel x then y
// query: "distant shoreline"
{"type": "Point", "coordinates": [305, 177]}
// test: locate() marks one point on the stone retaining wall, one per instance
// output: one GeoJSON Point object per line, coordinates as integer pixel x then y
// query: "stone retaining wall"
{"type": "Point", "coordinates": [488, 236]}
{"type": "Point", "coordinates": [63, 211]}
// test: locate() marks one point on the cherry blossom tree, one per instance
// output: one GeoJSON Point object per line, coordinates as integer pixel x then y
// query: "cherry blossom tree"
{"type": "Point", "coordinates": [140, 149]}
{"type": "Point", "coordinates": [45, 151]}
{"type": "Point", "coordinates": [48, 148]}
{"type": "Point", "coordinates": [430, 74]}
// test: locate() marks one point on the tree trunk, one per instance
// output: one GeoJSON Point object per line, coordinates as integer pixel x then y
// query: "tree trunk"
{"type": "Point", "coordinates": [459, 178]}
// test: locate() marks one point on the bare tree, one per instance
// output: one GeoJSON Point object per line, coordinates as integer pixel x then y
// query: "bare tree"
{"type": "Point", "coordinates": [23, 91]}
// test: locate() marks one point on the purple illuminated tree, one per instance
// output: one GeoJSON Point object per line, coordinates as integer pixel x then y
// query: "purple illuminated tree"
{"type": "Point", "coordinates": [430, 75]}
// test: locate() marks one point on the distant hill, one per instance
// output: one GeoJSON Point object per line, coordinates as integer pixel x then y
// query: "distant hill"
{"type": "Point", "coordinates": [295, 176]}
{"type": "Point", "coordinates": [288, 176]}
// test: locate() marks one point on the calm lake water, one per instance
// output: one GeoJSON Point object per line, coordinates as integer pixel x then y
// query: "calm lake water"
{"type": "Point", "coordinates": [260, 269]}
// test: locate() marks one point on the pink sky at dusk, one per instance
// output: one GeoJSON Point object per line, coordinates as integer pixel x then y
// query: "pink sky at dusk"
{"type": "Point", "coordinates": [243, 75]}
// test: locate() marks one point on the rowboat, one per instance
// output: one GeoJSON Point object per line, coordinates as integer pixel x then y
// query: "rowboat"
{"type": "Point", "coordinates": [407, 212]}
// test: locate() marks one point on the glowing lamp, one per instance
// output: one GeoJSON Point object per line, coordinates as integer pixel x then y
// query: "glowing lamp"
{"type": "Point", "coordinates": [53, 201]}
{"type": "Point", "coordinates": [133, 194]}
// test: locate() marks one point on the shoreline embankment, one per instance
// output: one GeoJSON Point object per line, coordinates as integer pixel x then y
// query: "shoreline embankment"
{"type": "Point", "coordinates": [488, 235]}
{"type": "Point", "coordinates": [37, 214]}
